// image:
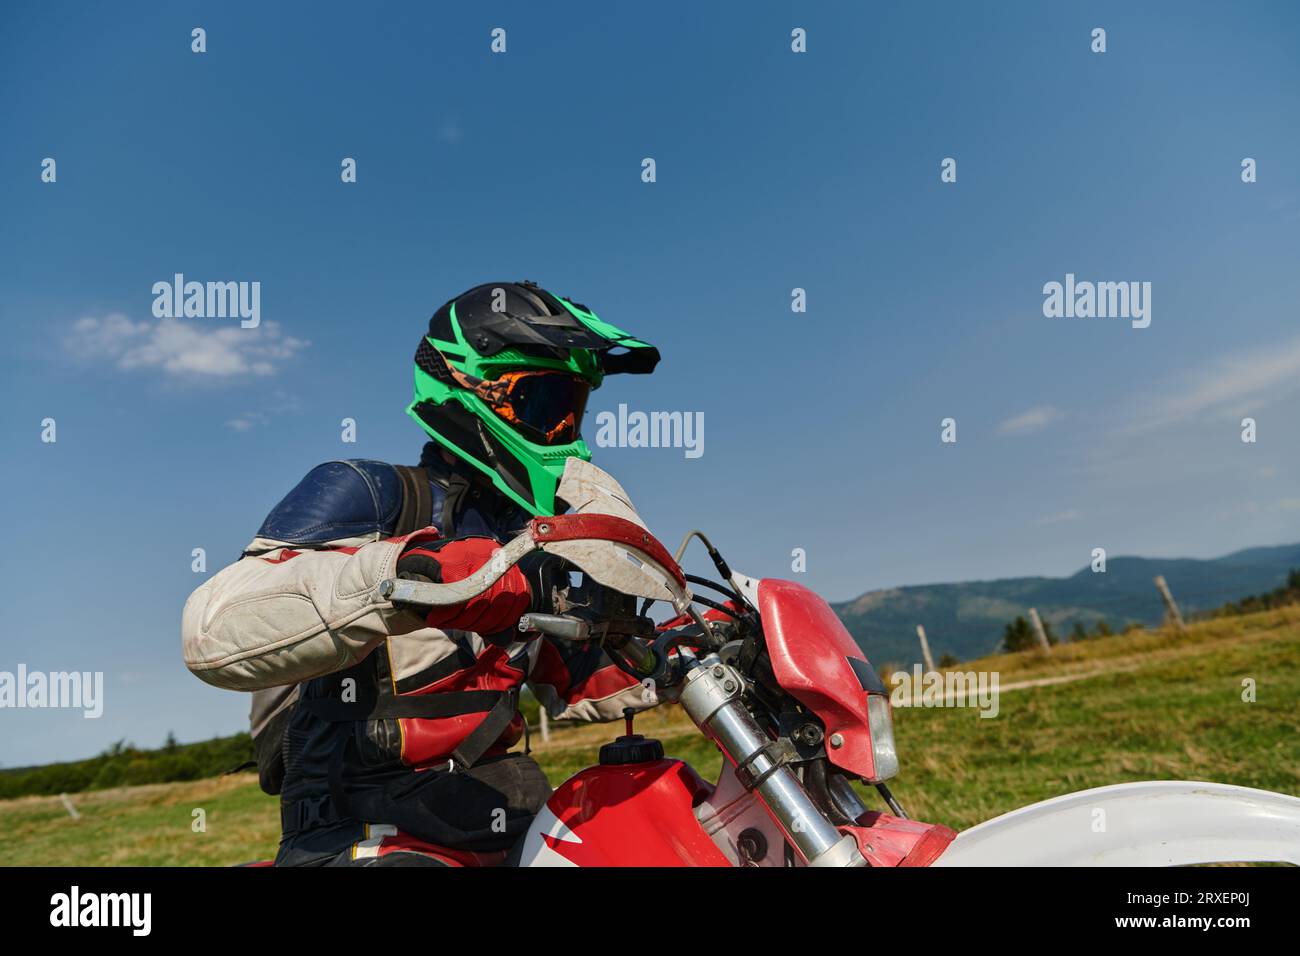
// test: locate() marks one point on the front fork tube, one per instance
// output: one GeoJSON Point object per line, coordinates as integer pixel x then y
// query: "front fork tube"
{"type": "Point", "coordinates": [711, 696]}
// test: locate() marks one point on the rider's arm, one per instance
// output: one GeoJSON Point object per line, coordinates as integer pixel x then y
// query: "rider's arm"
{"type": "Point", "coordinates": [580, 682]}
{"type": "Point", "coordinates": [301, 602]}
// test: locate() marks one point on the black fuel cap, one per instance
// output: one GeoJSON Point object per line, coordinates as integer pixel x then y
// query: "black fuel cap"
{"type": "Point", "coordinates": [630, 748]}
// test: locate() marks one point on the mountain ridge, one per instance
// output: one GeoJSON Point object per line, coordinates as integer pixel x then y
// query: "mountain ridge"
{"type": "Point", "coordinates": [966, 618]}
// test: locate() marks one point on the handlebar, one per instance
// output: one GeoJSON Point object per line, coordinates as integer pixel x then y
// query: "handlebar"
{"type": "Point", "coordinates": [643, 659]}
{"type": "Point", "coordinates": [619, 554]}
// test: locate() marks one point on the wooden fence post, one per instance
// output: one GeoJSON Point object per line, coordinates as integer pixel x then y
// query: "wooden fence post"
{"type": "Point", "coordinates": [67, 805]}
{"type": "Point", "coordinates": [1038, 630]}
{"type": "Point", "coordinates": [1171, 606]}
{"type": "Point", "coordinates": [925, 648]}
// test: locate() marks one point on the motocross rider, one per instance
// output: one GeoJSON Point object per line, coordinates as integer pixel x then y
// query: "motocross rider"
{"type": "Point", "coordinates": [384, 729]}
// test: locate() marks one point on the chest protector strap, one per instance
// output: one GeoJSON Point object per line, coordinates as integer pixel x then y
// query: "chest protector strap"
{"type": "Point", "coordinates": [417, 501]}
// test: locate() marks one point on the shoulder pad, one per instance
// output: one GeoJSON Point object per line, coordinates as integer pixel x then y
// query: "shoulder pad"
{"type": "Point", "coordinates": [339, 499]}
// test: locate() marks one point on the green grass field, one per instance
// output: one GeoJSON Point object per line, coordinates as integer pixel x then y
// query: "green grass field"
{"type": "Point", "coordinates": [1145, 705]}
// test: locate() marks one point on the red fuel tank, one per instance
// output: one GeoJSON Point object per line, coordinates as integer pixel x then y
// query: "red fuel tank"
{"type": "Point", "coordinates": [633, 814]}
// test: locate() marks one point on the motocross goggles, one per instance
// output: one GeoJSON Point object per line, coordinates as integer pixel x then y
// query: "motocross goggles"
{"type": "Point", "coordinates": [544, 406]}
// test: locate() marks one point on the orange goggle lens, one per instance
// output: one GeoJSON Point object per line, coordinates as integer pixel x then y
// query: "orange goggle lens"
{"type": "Point", "coordinates": [546, 407]}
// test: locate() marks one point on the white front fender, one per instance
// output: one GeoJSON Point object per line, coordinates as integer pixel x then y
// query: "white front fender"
{"type": "Point", "coordinates": [1156, 823]}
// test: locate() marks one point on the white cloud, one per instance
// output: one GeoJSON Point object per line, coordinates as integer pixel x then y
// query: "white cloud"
{"type": "Point", "coordinates": [1030, 420]}
{"type": "Point", "coordinates": [246, 420]}
{"type": "Point", "coordinates": [182, 349]}
{"type": "Point", "coordinates": [1235, 385]}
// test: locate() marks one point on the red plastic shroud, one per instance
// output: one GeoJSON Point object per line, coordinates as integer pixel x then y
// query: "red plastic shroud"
{"type": "Point", "coordinates": [810, 652]}
{"type": "Point", "coordinates": [886, 840]}
{"type": "Point", "coordinates": [606, 528]}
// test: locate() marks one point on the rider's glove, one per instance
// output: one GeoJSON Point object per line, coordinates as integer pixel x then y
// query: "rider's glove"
{"type": "Point", "coordinates": [496, 610]}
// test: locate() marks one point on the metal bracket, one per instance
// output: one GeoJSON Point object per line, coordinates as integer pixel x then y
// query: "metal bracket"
{"type": "Point", "coordinates": [779, 752]}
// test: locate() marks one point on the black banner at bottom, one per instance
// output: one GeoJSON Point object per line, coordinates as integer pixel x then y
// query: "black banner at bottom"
{"type": "Point", "coordinates": [334, 906]}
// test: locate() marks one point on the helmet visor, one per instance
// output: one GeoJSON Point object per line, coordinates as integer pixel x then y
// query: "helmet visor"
{"type": "Point", "coordinates": [543, 406]}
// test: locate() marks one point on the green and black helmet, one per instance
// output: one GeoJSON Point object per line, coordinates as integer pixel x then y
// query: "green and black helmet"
{"type": "Point", "coordinates": [502, 378]}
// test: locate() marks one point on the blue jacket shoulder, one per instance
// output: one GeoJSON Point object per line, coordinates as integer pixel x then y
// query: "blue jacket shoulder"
{"type": "Point", "coordinates": [337, 499]}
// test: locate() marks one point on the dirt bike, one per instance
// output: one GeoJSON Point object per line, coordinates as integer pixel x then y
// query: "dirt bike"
{"type": "Point", "coordinates": [767, 672]}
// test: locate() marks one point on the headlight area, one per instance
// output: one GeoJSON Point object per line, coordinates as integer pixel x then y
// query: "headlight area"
{"type": "Point", "coordinates": [884, 753]}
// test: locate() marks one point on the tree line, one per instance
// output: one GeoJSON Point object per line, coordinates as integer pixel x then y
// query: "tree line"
{"type": "Point", "coordinates": [123, 764]}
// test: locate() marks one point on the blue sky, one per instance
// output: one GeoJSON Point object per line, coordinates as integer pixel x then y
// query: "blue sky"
{"type": "Point", "coordinates": [775, 170]}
